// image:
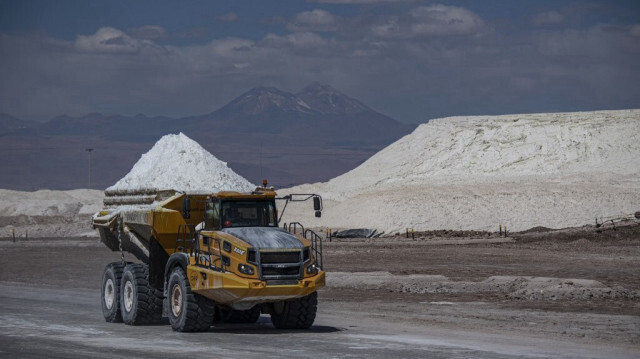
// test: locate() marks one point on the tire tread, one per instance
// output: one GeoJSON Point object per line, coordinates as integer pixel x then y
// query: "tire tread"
{"type": "Point", "coordinates": [117, 269]}
{"type": "Point", "coordinates": [297, 314]}
{"type": "Point", "coordinates": [148, 309]}
{"type": "Point", "coordinates": [199, 311]}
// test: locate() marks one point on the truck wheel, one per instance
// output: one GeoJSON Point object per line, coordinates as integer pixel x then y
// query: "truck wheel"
{"type": "Point", "coordinates": [140, 303]}
{"type": "Point", "coordinates": [295, 314]}
{"type": "Point", "coordinates": [110, 294]}
{"type": "Point", "coordinates": [188, 311]}
{"type": "Point", "coordinates": [238, 316]}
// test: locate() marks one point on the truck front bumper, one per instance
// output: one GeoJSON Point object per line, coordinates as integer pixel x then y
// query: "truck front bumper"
{"type": "Point", "coordinates": [243, 293]}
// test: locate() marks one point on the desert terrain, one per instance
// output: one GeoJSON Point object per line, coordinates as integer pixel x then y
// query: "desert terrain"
{"type": "Point", "coordinates": [558, 294]}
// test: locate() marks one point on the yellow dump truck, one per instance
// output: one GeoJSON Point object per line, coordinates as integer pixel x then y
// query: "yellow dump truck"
{"type": "Point", "coordinates": [208, 257]}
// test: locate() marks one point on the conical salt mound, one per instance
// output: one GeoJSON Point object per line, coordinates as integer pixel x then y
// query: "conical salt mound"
{"type": "Point", "coordinates": [177, 162]}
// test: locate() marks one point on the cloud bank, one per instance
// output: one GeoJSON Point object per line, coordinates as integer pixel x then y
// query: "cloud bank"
{"type": "Point", "coordinates": [416, 63]}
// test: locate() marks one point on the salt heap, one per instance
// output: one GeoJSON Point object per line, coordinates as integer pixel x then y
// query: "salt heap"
{"type": "Point", "coordinates": [177, 162]}
{"type": "Point", "coordinates": [553, 170]}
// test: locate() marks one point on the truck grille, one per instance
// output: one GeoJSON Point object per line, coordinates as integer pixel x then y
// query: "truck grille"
{"type": "Point", "coordinates": [288, 271]}
{"type": "Point", "coordinates": [280, 257]}
{"type": "Point", "coordinates": [280, 265]}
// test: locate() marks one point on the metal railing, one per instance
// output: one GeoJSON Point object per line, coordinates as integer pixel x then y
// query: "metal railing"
{"type": "Point", "coordinates": [316, 246]}
{"type": "Point", "coordinates": [204, 257]}
{"type": "Point", "coordinates": [311, 236]}
{"type": "Point", "coordinates": [293, 227]}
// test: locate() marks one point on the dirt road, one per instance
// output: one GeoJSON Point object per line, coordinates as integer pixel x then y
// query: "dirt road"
{"type": "Point", "coordinates": [49, 304]}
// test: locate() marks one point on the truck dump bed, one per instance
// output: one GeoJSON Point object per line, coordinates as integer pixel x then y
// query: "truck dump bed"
{"type": "Point", "coordinates": [131, 218]}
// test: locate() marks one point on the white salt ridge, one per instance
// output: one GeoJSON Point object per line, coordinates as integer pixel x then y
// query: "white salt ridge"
{"type": "Point", "coordinates": [554, 170]}
{"type": "Point", "coordinates": [49, 203]}
{"type": "Point", "coordinates": [177, 162]}
{"type": "Point", "coordinates": [501, 148]}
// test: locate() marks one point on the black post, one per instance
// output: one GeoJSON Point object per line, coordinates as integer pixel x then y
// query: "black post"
{"type": "Point", "coordinates": [89, 150]}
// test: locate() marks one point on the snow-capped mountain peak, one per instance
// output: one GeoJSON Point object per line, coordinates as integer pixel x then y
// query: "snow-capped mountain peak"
{"type": "Point", "coordinates": [328, 100]}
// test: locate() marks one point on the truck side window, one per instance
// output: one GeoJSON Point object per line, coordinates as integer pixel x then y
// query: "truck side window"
{"type": "Point", "coordinates": [212, 214]}
{"type": "Point", "coordinates": [272, 215]}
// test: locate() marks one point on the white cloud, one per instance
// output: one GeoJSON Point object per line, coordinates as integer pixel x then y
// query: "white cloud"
{"type": "Point", "coordinates": [295, 40]}
{"type": "Point", "coordinates": [439, 20]}
{"type": "Point", "coordinates": [314, 20]}
{"type": "Point", "coordinates": [107, 39]}
{"type": "Point", "coordinates": [391, 28]}
{"type": "Point", "coordinates": [547, 18]}
{"type": "Point", "coordinates": [229, 47]}
{"type": "Point", "coordinates": [428, 21]}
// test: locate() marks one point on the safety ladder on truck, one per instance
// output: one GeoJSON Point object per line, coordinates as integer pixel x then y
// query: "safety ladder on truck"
{"type": "Point", "coordinates": [311, 236]}
{"type": "Point", "coordinates": [189, 241]}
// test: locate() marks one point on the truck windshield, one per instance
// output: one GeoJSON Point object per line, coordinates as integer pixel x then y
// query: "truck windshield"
{"type": "Point", "coordinates": [248, 214]}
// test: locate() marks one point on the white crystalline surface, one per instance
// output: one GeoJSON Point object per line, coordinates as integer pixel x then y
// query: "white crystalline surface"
{"type": "Point", "coordinates": [177, 162]}
{"type": "Point", "coordinates": [49, 203]}
{"type": "Point", "coordinates": [553, 170]}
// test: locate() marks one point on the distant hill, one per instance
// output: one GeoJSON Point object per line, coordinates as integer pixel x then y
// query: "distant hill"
{"type": "Point", "coordinates": [113, 127]}
{"type": "Point", "coordinates": [10, 124]}
{"type": "Point", "coordinates": [327, 100]}
{"type": "Point", "coordinates": [309, 136]}
{"type": "Point", "coordinates": [318, 114]}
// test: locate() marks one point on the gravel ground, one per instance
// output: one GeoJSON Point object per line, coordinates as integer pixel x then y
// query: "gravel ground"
{"type": "Point", "coordinates": [457, 281]}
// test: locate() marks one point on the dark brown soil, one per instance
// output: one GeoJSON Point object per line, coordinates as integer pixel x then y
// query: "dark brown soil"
{"type": "Point", "coordinates": [609, 256]}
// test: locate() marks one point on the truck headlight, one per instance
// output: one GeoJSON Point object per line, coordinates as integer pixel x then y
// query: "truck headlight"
{"type": "Point", "coordinates": [312, 269]}
{"type": "Point", "coordinates": [245, 269]}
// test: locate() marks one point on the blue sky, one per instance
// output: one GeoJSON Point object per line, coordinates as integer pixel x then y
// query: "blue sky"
{"type": "Point", "coordinates": [413, 60]}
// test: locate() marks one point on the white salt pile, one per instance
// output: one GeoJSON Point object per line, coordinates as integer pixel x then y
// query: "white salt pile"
{"type": "Point", "coordinates": [49, 203]}
{"type": "Point", "coordinates": [46, 213]}
{"type": "Point", "coordinates": [177, 162]}
{"type": "Point", "coordinates": [553, 170]}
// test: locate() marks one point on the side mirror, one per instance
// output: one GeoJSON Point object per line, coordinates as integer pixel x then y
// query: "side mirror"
{"type": "Point", "coordinates": [316, 205]}
{"type": "Point", "coordinates": [186, 207]}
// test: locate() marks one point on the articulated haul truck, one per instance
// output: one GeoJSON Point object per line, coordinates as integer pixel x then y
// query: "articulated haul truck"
{"type": "Point", "coordinates": [208, 257]}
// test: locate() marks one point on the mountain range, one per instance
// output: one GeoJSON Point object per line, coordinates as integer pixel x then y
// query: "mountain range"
{"type": "Point", "coordinates": [290, 138]}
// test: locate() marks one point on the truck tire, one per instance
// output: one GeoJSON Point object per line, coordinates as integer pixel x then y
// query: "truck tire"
{"type": "Point", "coordinates": [249, 316]}
{"type": "Point", "coordinates": [295, 314]}
{"type": "Point", "coordinates": [110, 294]}
{"type": "Point", "coordinates": [140, 303]}
{"type": "Point", "coordinates": [188, 311]}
